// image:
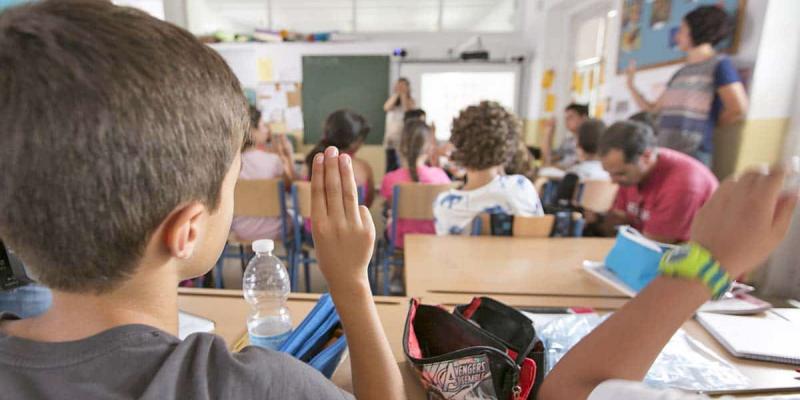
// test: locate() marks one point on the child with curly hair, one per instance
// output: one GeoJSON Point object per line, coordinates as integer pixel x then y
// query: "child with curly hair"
{"type": "Point", "coordinates": [485, 137]}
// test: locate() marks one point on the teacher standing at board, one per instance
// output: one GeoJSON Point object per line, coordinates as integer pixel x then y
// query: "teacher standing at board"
{"type": "Point", "coordinates": [703, 93]}
{"type": "Point", "coordinates": [396, 106]}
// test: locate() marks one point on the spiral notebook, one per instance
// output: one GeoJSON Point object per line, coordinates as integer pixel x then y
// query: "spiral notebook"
{"type": "Point", "coordinates": [763, 339]}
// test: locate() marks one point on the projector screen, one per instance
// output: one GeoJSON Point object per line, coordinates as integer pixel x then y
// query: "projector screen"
{"type": "Point", "coordinates": [443, 90]}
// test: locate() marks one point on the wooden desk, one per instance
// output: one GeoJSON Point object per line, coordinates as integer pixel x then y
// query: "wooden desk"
{"type": "Point", "coordinates": [505, 266]}
{"type": "Point", "coordinates": [229, 311]}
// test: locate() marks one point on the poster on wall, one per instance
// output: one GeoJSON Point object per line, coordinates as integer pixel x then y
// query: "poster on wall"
{"type": "Point", "coordinates": [648, 28]}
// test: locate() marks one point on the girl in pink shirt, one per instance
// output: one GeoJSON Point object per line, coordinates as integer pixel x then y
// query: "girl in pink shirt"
{"type": "Point", "coordinates": [258, 164]}
{"type": "Point", "coordinates": [414, 147]}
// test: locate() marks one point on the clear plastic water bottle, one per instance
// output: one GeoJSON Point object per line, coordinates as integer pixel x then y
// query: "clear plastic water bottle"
{"type": "Point", "coordinates": [266, 287]}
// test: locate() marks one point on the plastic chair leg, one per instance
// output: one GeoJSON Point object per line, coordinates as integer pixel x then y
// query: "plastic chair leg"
{"type": "Point", "coordinates": [306, 271]}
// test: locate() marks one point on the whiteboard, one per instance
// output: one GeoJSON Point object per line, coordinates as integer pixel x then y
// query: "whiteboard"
{"type": "Point", "coordinates": [444, 89]}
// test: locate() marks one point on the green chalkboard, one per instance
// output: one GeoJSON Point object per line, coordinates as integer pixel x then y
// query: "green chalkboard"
{"type": "Point", "coordinates": [330, 83]}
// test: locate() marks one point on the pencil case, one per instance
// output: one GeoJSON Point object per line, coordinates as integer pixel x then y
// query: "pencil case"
{"type": "Point", "coordinates": [319, 340]}
{"type": "Point", "coordinates": [481, 350]}
{"type": "Point", "coordinates": [634, 259]}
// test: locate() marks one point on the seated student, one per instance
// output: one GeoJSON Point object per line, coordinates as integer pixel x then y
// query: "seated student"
{"type": "Point", "coordinates": [136, 199]}
{"type": "Point", "coordinates": [589, 168]}
{"type": "Point", "coordinates": [346, 130]}
{"type": "Point", "coordinates": [661, 189]}
{"type": "Point", "coordinates": [485, 137]}
{"type": "Point", "coordinates": [415, 114]}
{"type": "Point", "coordinates": [258, 164]}
{"type": "Point", "coordinates": [414, 143]}
{"type": "Point", "coordinates": [606, 364]}
{"type": "Point", "coordinates": [273, 143]}
{"type": "Point", "coordinates": [565, 155]}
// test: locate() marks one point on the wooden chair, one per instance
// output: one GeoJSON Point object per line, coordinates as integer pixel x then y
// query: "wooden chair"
{"type": "Point", "coordinates": [263, 198]}
{"type": "Point", "coordinates": [412, 201]}
{"type": "Point", "coordinates": [535, 227]}
{"type": "Point", "coordinates": [597, 196]}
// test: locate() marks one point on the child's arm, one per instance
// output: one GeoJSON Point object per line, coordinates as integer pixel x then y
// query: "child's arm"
{"type": "Point", "coordinates": [344, 235]}
{"type": "Point", "coordinates": [625, 346]}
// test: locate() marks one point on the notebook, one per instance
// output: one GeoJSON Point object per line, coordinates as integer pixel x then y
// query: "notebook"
{"type": "Point", "coordinates": [740, 304]}
{"type": "Point", "coordinates": [764, 339]}
{"type": "Point", "coordinates": [190, 323]}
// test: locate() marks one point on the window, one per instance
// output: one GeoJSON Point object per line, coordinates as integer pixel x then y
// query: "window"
{"type": "Point", "coordinates": [205, 16]}
{"type": "Point", "coordinates": [393, 15]}
{"type": "Point", "coordinates": [152, 7]}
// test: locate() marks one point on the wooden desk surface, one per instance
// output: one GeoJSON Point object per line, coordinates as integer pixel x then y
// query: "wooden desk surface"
{"type": "Point", "coordinates": [503, 265]}
{"type": "Point", "coordinates": [229, 311]}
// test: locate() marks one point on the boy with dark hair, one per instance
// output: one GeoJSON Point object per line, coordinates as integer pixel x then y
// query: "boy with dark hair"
{"type": "Point", "coordinates": [485, 137]}
{"type": "Point", "coordinates": [661, 190]}
{"type": "Point", "coordinates": [590, 168]}
{"type": "Point", "coordinates": [119, 154]}
{"type": "Point", "coordinates": [565, 155]}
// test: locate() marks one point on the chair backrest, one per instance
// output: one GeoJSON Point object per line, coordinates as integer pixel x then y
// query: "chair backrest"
{"type": "Point", "coordinates": [258, 198]}
{"type": "Point", "coordinates": [415, 200]}
{"type": "Point", "coordinates": [598, 196]}
{"type": "Point", "coordinates": [539, 227]}
{"type": "Point", "coordinates": [536, 227]}
{"type": "Point", "coordinates": [302, 193]}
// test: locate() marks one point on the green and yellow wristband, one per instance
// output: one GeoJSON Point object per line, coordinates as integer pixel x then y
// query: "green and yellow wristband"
{"type": "Point", "coordinates": [692, 261]}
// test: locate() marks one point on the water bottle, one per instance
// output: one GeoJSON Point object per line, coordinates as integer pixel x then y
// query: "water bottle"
{"type": "Point", "coordinates": [266, 287]}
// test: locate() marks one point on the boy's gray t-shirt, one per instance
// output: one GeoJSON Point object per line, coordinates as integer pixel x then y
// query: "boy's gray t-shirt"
{"type": "Point", "coordinates": [142, 362]}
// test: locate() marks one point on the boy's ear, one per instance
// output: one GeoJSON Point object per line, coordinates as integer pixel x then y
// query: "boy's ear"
{"type": "Point", "coordinates": [183, 229]}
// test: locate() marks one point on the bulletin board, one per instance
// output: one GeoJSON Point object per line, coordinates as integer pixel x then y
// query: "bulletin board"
{"type": "Point", "coordinates": [648, 28]}
{"type": "Point", "coordinates": [281, 104]}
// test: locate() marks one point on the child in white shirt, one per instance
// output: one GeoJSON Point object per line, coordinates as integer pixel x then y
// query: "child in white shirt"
{"type": "Point", "coordinates": [590, 168]}
{"type": "Point", "coordinates": [485, 137]}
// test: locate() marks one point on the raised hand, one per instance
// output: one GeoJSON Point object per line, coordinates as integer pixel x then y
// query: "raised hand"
{"type": "Point", "coordinates": [745, 219]}
{"type": "Point", "coordinates": [343, 231]}
{"type": "Point", "coordinates": [630, 71]}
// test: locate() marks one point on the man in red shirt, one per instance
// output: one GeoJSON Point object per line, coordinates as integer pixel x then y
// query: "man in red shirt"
{"type": "Point", "coordinates": [661, 190]}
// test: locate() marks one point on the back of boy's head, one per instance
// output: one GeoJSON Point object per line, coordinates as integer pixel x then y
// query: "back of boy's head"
{"type": "Point", "coordinates": [646, 118]}
{"type": "Point", "coordinates": [342, 129]}
{"type": "Point", "coordinates": [413, 143]}
{"type": "Point", "coordinates": [484, 136]}
{"type": "Point", "coordinates": [111, 119]}
{"type": "Point", "coordinates": [580, 109]}
{"type": "Point", "coordinates": [589, 135]}
{"type": "Point", "coordinates": [630, 137]}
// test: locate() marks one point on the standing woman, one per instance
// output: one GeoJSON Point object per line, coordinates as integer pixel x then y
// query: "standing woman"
{"type": "Point", "coordinates": [703, 93]}
{"type": "Point", "coordinates": [396, 106]}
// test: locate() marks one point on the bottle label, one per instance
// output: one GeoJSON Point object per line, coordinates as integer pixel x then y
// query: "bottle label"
{"type": "Point", "coordinates": [269, 342]}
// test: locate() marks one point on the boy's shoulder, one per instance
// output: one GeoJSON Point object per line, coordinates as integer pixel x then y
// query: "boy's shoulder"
{"type": "Point", "coordinates": [160, 365]}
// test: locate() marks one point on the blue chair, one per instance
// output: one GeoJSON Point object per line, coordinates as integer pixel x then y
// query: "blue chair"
{"type": "Point", "coordinates": [256, 198]}
{"type": "Point", "coordinates": [410, 201]}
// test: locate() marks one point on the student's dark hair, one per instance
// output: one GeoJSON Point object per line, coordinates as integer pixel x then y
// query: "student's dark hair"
{"type": "Point", "coordinates": [413, 143]}
{"type": "Point", "coordinates": [342, 129]}
{"type": "Point", "coordinates": [255, 118]}
{"type": "Point", "coordinates": [484, 136]}
{"type": "Point", "coordinates": [646, 118]}
{"type": "Point", "coordinates": [708, 24]}
{"type": "Point", "coordinates": [580, 109]}
{"type": "Point", "coordinates": [415, 114]}
{"type": "Point", "coordinates": [589, 135]}
{"type": "Point", "coordinates": [630, 137]}
{"type": "Point", "coordinates": [110, 120]}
